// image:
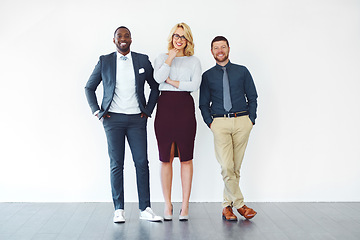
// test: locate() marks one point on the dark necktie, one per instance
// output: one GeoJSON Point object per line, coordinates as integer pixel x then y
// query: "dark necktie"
{"type": "Point", "coordinates": [226, 91]}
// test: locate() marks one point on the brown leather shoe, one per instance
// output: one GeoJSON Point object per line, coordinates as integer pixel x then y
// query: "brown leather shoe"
{"type": "Point", "coordinates": [246, 212]}
{"type": "Point", "coordinates": [228, 215]}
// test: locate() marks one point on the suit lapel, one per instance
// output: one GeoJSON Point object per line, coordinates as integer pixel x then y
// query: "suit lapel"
{"type": "Point", "coordinates": [113, 67]}
{"type": "Point", "coordinates": [135, 60]}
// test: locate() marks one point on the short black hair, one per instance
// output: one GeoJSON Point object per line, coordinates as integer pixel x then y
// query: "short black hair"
{"type": "Point", "coordinates": [121, 27]}
{"type": "Point", "coordinates": [219, 38]}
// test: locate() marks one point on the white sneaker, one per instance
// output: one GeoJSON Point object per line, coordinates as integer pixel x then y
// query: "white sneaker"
{"type": "Point", "coordinates": [119, 216]}
{"type": "Point", "coordinates": [149, 215]}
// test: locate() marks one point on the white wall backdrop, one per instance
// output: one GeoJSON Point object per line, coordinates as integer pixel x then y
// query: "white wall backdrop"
{"type": "Point", "coordinates": [304, 56]}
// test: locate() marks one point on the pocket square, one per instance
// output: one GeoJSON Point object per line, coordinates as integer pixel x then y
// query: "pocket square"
{"type": "Point", "coordinates": [141, 70]}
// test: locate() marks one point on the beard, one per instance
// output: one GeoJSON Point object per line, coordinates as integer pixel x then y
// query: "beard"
{"type": "Point", "coordinates": [124, 49]}
{"type": "Point", "coordinates": [223, 59]}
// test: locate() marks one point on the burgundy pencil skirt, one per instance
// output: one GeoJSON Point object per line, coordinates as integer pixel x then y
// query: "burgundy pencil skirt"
{"type": "Point", "coordinates": [175, 123]}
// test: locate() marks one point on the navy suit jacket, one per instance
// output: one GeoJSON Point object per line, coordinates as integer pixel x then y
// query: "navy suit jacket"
{"type": "Point", "coordinates": [105, 71]}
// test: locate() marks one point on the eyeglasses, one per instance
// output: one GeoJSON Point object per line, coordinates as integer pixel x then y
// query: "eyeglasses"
{"type": "Point", "coordinates": [177, 36]}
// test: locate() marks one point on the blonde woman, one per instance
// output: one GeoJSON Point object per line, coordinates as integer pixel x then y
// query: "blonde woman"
{"type": "Point", "coordinates": [178, 73]}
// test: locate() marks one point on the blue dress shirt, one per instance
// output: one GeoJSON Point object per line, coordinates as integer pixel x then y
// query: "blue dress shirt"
{"type": "Point", "coordinates": [242, 91]}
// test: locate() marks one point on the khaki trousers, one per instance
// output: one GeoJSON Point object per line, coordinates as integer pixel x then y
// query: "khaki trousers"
{"type": "Point", "coordinates": [231, 136]}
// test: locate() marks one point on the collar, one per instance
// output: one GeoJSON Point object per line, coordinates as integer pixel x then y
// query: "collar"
{"type": "Point", "coordinates": [219, 67]}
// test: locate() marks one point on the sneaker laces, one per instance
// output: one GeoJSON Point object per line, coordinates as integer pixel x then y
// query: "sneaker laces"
{"type": "Point", "coordinates": [150, 211]}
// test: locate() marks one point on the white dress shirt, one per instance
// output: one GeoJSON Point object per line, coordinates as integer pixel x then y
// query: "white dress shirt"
{"type": "Point", "coordinates": [125, 100]}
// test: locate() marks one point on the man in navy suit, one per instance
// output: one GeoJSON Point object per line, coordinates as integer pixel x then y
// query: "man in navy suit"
{"type": "Point", "coordinates": [124, 112]}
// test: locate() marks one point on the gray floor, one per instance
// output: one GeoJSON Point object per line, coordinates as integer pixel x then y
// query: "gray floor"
{"type": "Point", "coordinates": [94, 221]}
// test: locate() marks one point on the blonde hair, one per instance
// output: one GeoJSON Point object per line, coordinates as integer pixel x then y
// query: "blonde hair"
{"type": "Point", "coordinates": [189, 49]}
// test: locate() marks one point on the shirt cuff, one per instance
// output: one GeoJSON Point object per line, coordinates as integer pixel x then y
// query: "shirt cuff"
{"type": "Point", "coordinates": [96, 112]}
